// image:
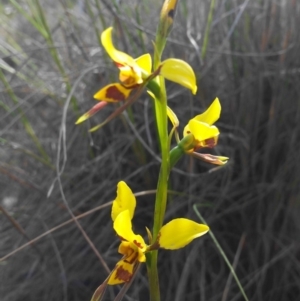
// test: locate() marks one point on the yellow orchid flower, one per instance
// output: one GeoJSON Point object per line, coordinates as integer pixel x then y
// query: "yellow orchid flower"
{"type": "Point", "coordinates": [201, 127]}
{"type": "Point", "coordinates": [134, 72]}
{"type": "Point", "coordinates": [200, 132]}
{"type": "Point", "coordinates": [174, 235]}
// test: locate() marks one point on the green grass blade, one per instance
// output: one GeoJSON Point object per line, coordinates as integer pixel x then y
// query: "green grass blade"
{"type": "Point", "coordinates": [211, 234]}
{"type": "Point", "coordinates": [207, 29]}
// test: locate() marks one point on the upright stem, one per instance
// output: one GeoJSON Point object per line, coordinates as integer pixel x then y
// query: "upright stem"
{"type": "Point", "coordinates": [207, 29]}
{"type": "Point", "coordinates": [162, 185]}
{"type": "Point", "coordinates": [164, 27]}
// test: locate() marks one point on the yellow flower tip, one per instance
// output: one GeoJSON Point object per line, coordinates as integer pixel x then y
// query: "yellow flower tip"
{"type": "Point", "coordinates": [82, 118]}
{"type": "Point", "coordinates": [220, 161]}
{"type": "Point", "coordinates": [212, 114]}
{"type": "Point", "coordinates": [125, 200]}
{"type": "Point", "coordinates": [106, 35]}
{"type": "Point", "coordinates": [223, 159]}
{"type": "Point", "coordinates": [179, 232]}
{"type": "Point", "coordinates": [97, 127]}
{"type": "Point", "coordinates": [179, 72]}
{"type": "Point", "coordinates": [119, 57]}
{"type": "Point", "coordinates": [194, 90]}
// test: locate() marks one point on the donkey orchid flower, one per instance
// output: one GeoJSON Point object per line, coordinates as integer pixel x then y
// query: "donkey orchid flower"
{"type": "Point", "coordinates": [201, 127]}
{"type": "Point", "coordinates": [134, 72]}
{"type": "Point", "coordinates": [200, 133]}
{"type": "Point", "coordinates": [174, 235]}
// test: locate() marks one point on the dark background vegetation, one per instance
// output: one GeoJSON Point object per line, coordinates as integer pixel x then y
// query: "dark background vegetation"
{"type": "Point", "coordinates": [252, 204]}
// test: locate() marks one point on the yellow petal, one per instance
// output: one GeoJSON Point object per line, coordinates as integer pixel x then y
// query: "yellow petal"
{"type": "Point", "coordinates": [201, 131]}
{"type": "Point", "coordinates": [145, 63]}
{"type": "Point", "coordinates": [123, 272]}
{"type": "Point", "coordinates": [123, 227]}
{"type": "Point", "coordinates": [117, 56]}
{"type": "Point", "coordinates": [172, 116]}
{"type": "Point", "coordinates": [179, 232]}
{"type": "Point", "coordinates": [125, 200]}
{"type": "Point", "coordinates": [179, 72]}
{"type": "Point", "coordinates": [212, 114]}
{"type": "Point", "coordinates": [113, 93]}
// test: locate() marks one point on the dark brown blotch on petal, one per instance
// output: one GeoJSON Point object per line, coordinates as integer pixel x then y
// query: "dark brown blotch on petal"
{"type": "Point", "coordinates": [123, 274]}
{"type": "Point", "coordinates": [114, 93]}
{"type": "Point", "coordinates": [138, 244]}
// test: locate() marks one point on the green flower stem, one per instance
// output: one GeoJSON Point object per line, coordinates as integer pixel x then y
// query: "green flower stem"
{"type": "Point", "coordinates": [164, 27]}
{"type": "Point", "coordinates": [186, 144]}
{"type": "Point", "coordinates": [175, 154]}
{"type": "Point", "coordinates": [162, 185]}
{"type": "Point", "coordinates": [161, 195]}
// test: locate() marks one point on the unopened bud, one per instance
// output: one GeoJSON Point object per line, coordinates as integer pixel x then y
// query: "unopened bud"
{"type": "Point", "coordinates": [165, 24]}
{"type": "Point", "coordinates": [167, 16]}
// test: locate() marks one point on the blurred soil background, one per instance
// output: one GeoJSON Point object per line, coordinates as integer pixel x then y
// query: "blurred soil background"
{"type": "Point", "coordinates": [51, 64]}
